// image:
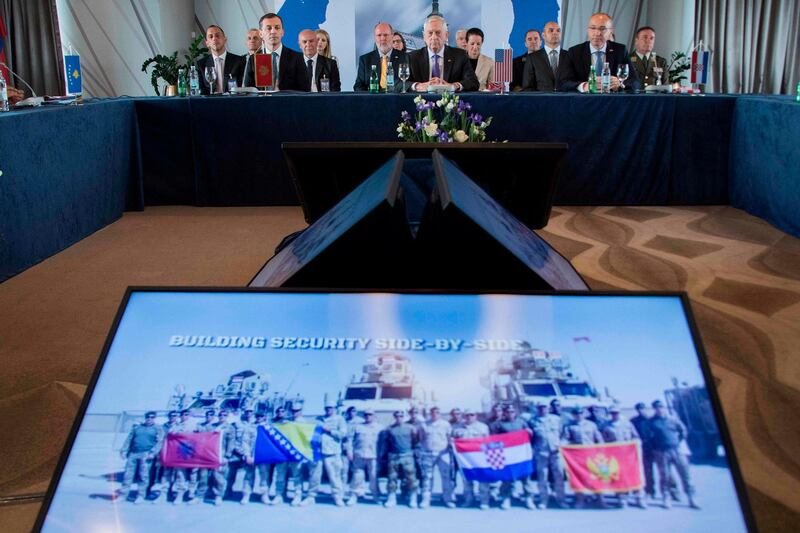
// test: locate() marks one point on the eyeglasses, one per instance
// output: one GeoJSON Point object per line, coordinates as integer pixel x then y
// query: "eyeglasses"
{"type": "Point", "coordinates": [601, 29]}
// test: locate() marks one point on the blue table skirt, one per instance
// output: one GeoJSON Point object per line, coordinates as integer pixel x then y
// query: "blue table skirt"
{"type": "Point", "coordinates": [69, 171]}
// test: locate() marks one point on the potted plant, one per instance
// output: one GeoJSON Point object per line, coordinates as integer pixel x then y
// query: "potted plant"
{"type": "Point", "coordinates": [166, 67]}
{"type": "Point", "coordinates": [678, 66]}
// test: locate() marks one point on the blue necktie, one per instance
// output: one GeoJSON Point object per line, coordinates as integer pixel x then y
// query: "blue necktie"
{"type": "Point", "coordinates": [275, 70]}
{"type": "Point", "coordinates": [598, 63]}
{"type": "Point", "coordinates": [435, 70]}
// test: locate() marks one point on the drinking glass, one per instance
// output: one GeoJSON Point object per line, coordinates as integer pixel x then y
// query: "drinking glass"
{"type": "Point", "coordinates": [404, 73]}
{"type": "Point", "coordinates": [657, 71]}
{"type": "Point", "coordinates": [622, 74]}
{"type": "Point", "coordinates": [210, 75]}
{"type": "Point", "coordinates": [325, 85]}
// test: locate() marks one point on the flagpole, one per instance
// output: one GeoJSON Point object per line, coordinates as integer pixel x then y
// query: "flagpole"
{"type": "Point", "coordinates": [583, 362]}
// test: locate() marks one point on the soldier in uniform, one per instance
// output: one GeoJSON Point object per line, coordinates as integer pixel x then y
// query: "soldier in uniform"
{"type": "Point", "coordinates": [596, 415]}
{"type": "Point", "coordinates": [546, 443]}
{"type": "Point", "coordinates": [277, 472]}
{"type": "Point", "coordinates": [164, 476]}
{"type": "Point", "coordinates": [435, 439]}
{"type": "Point", "coordinates": [264, 470]}
{"type": "Point", "coordinates": [581, 431]}
{"type": "Point", "coordinates": [139, 449]}
{"type": "Point", "coordinates": [471, 428]}
{"type": "Point", "coordinates": [363, 455]}
{"type": "Point", "coordinates": [667, 432]}
{"type": "Point", "coordinates": [351, 418]}
{"type": "Point", "coordinates": [509, 423]}
{"type": "Point", "coordinates": [401, 440]}
{"type": "Point", "coordinates": [293, 470]}
{"type": "Point", "coordinates": [619, 430]}
{"type": "Point", "coordinates": [183, 475]}
{"type": "Point", "coordinates": [334, 432]}
{"type": "Point", "coordinates": [227, 431]}
{"type": "Point", "coordinates": [555, 407]}
{"type": "Point", "coordinates": [242, 456]}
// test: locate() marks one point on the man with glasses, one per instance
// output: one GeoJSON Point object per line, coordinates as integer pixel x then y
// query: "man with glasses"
{"type": "Point", "coordinates": [596, 51]}
{"type": "Point", "coordinates": [380, 58]}
{"type": "Point", "coordinates": [139, 449]}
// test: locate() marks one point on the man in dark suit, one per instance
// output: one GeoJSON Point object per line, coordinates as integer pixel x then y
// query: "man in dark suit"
{"type": "Point", "coordinates": [533, 42]}
{"type": "Point", "coordinates": [439, 64]}
{"type": "Point", "coordinates": [288, 63]}
{"type": "Point", "coordinates": [317, 66]}
{"type": "Point", "coordinates": [595, 51]}
{"type": "Point", "coordinates": [544, 68]}
{"type": "Point", "coordinates": [225, 64]}
{"type": "Point", "coordinates": [383, 54]}
{"type": "Point", "coordinates": [644, 60]}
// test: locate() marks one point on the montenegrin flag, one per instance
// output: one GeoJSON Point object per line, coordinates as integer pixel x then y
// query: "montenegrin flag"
{"type": "Point", "coordinates": [504, 457]}
{"type": "Point", "coordinates": [289, 442]}
{"type": "Point", "coordinates": [192, 450]}
{"type": "Point", "coordinates": [615, 467]}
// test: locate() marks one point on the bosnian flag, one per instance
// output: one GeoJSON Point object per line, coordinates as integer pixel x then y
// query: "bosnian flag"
{"type": "Point", "coordinates": [289, 442]}
{"type": "Point", "coordinates": [192, 450]}
{"type": "Point", "coordinates": [699, 67]}
{"type": "Point", "coordinates": [504, 457]}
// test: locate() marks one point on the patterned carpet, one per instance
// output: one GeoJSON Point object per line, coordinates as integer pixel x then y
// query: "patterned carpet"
{"type": "Point", "coordinates": [742, 276]}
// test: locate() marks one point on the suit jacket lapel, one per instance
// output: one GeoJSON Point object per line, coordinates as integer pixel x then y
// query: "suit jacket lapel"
{"type": "Point", "coordinates": [447, 63]}
{"type": "Point", "coordinates": [425, 66]}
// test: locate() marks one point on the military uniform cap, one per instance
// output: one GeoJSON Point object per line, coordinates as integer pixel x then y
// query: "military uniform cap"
{"type": "Point", "coordinates": [540, 403]}
{"type": "Point", "coordinates": [658, 403]}
{"type": "Point", "coordinates": [613, 409]}
{"type": "Point", "coordinates": [366, 411]}
{"type": "Point", "coordinates": [149, 414]}
{"type": "Point", "coordinates": [210, 412]}
{"type": "Point", "coordinates": [173, 413]}
{"type": "Point", "coordinates": [469, 411]}
{"type": "Point", "coordinates": [186, 412]}
{"type": "Point", "coordinates": [640, 405]}
{"type": "Point", "coordinates": [576, 410]}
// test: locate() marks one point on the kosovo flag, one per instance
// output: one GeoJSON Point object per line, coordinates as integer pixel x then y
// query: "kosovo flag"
{"type": "Point", "coordinates": [289, 442]}
{"type": "Point", "coordinates": [192, 450]}
{"type": "Point", "coordinates": [74, 79]}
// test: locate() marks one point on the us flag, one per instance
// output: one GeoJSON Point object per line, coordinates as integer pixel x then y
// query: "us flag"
{"type": "Point", "coordinates": [502, 65]}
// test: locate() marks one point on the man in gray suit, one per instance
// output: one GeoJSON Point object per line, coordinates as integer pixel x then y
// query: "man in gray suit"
{"type": "Point", "coordinates": [542, 72]}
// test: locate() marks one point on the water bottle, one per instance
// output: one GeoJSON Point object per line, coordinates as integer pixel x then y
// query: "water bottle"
{"type": "Point", "coordinates": [374, 80]}
{"type": "Point", "coordinates": [606, 79]}
{"type": "Point", "coordinates": [592, 80]}
{"type": "Point", "coordinates": [389, 78]}
{"type": "Point", "coordinates": [231, 83]}
{"type": "Point", "coordinates": [194, 82]}
{"type": "Point", "coordinates": [3, 93]}
{"type": "Point", "coordinates": [182, 82]}
{"type": "Point", "coordinates": [798, 92]}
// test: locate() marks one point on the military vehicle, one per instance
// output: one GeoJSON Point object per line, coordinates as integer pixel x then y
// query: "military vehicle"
{"type": "Point", "coordinates": [693, 406]}
{"type": "Point", "coordinates": [386, 384]}
{"type": "Point", "coordinates": [244, 390]}
{"type": "Point", "coordinates": [533, 375]}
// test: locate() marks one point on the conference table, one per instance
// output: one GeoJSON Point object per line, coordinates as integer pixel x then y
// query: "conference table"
{"type": "Point", "coordinates": [68, 171]}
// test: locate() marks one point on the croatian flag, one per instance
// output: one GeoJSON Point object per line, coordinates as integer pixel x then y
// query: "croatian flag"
{"type": "Point", "coordinates": [503, 65]}
{"type": "Point", "coordinates": [192, 450]}
{"type": "Point", "coordinates": [504, 457]}
{"type": "Point", "coordinates": [699, 67]}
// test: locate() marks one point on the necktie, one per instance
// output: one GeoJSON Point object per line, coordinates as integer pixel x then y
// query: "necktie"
{"type": "Point", "coordinates": [436, 72]}
{"type": "Point", "coordinates": [248, 77]}
{"type": "Point", "coordinates": [554, 60]}
{"type": "Point", "coordinates": [220, 76]}
{"type": "Point", "coordinates": [275, 70]}
{"type": "Point", "coordinates": [384, 61]}
{"type": "Point", "coordinates": [310, 71]}
{"type": "Point", "coordinates": [598, 62]}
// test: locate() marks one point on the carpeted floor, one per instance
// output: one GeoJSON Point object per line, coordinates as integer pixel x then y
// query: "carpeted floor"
{"type": "Point", "coordinates": [742, 275]}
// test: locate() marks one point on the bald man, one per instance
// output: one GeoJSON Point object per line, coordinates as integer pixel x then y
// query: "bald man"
{"type": "Point", "coordinates": [383, 54]}
{"type": "Point", "coordinates": [597, 50]}
{"type": "Point", "coordinates": [317, 66]}
{"type": "Point", "coordinates": [544, 68]}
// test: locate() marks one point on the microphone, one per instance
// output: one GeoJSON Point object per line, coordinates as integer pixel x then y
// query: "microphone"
{"type": "Point", "coordinates": [33, 100]}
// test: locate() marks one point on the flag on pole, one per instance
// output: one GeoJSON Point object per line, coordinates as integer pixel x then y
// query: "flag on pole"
{"type": "Point", "coordinates": [503, 65]}
{"type": "Point", "coordinates": [289, 442]}
{"type": "Point", "coordinates": [579, 339]}
{"type": "Point", "coordinates": [3, 36]}
{"type": "Point", "coordinates": [615, 467]}
{"type": "Point", "coordinates": [699, 67]}
{"type": "Point", "coordinates": [192, 450]}
{"type": "Point", "coordinates": [263, 66]}
{"type": "Point", "coordinates": [72, 64]}
{"type": "Point", "coordinates": [503, 457]}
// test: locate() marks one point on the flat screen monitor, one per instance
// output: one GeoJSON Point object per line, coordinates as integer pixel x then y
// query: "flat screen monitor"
{"type": "Point", "coordinates": [277, 386]}
{"type": "Point", "coordinates": [521, 176]}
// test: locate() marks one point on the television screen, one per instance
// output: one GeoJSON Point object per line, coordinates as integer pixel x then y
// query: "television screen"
{"type": "Point", "coordinates": [244, 410]}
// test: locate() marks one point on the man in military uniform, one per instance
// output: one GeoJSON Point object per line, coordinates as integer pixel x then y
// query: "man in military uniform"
{"type": "Point", "coordinates": [139, 449]}
{"type": "Point", "coordinates": [620, 430]}
{"type": "Point", "coordinates": [581, 431]}
{"type": "Point", "coordinates": [242, 455]}
{"type": "Point", "coordinates": [363, 455]}
{"type": "Point", "coordinates": [334, 432]}
{"type": "Point", "coordinates": [227, 431]}
{"type": "Point", "coordinates": [546, 442]}
{"type": "Point", "coordinates": [435, 439]}
{"type": "Point", "coordinates": [183, 476]}
{"type": "Point", "coordinates": [667, 432]}
{"type": "Point", "coordinates": [555, 407]}
{"type": "Point", "coordinates": [292, 471]}
{"type": "Point", "coordinates": [164, 476]}
{"type": "Point", "coordinates": [264, 470]}
{"type": "Point", "coordinates": [273, 471]}
{"type": "Point", "coordinates": [509, 423]}
{"type": "Point", "coordinates": [471, 428]}
{"type": "Point", "coordinates": [597, 415]}
{"type": "Point", "coordinates": [351, 418]}
{"type": "Point", "coordinates": [401, 440]}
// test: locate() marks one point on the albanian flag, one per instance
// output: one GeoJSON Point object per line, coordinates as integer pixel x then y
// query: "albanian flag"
{"type": "Point", "coordinates": [192, 450]}
{"type": "Point", "coordinates": [615, 467]}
